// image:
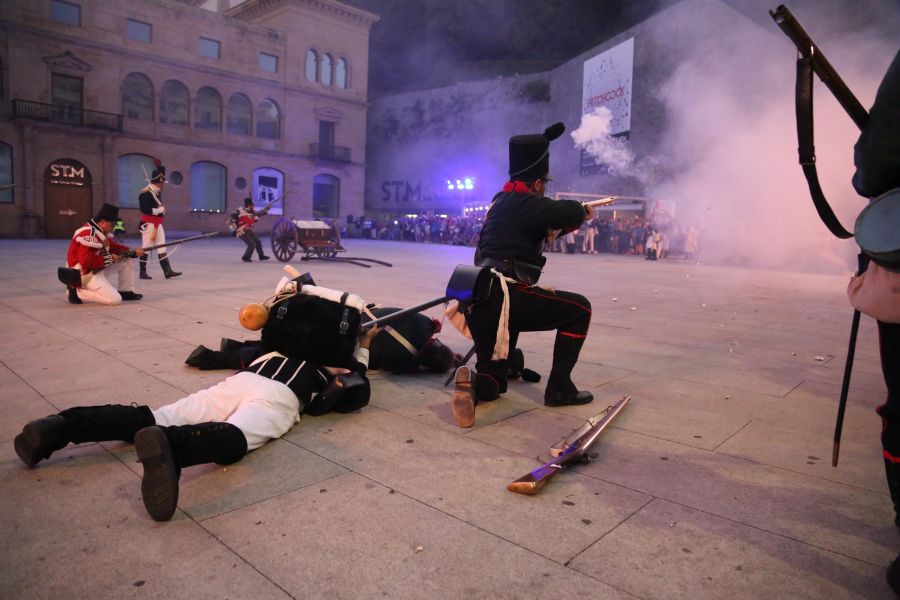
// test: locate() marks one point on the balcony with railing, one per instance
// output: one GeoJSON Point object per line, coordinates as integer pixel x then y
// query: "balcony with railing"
{"type": "Point", "coordinates": [66, 115]}
{"type": "Point", "coordinates": [335, 153]}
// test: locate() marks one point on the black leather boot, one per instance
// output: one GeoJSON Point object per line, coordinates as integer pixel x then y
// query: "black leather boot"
{"type": "Point", "coordinates": [166, 267]}
{"type": "Point", "coordinates": [73, 296]}
{"type": "Point", "coordinates": [164, 451]}
{"type": "Point", "coordinates": [209, 360]}
{"type": "Point", "coordinates": [41, 438]}
{"type": "Point", "coordinates": [142, 262]}
{"type": "Point", "coordinates": [560, 390]}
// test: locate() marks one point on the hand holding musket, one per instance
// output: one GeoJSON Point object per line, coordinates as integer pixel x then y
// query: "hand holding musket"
{"type": "Point", "coordinates": [552, 234]}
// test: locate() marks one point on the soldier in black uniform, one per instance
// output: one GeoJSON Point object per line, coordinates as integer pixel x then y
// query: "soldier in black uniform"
{"type": "Point", "coordinates": [511, 242]}
{"type": "Point", "coordinates": [404, 346]}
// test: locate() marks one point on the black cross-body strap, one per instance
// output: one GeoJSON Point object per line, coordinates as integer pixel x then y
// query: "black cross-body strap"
{"type": "Point", "coordinates": [807, 149]}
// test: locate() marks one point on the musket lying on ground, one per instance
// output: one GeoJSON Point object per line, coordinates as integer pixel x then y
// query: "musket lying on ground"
{"type": "Point", "coordinates": [570, 451]}
{"type": "Point", "coordinates": [73, 276]}
{"type": "Point", "coordinates": [552, 234]}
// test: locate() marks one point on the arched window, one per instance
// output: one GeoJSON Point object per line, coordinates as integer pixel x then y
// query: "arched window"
{"type": "Point", "coordinates": [208, 187]}
{"type": "Point", "coordinates": [173, 104]}
{"type": "Point", "coordinates": [340, 73]}
{"type": "Point", "coordinates": [208, 110]}
{"type": "Point", "coordinates": [326, 69]}
{"type": "Point", "coordinates": [133, 171]}
{"type": "Point", "coordinates": [137, 97]}
{"type": "Point", "coordinates": [239, 114]}
{"type": "Point", "coordinates": [326, 196]}
{"type": "Point", "coordinates": [312, 64]}
{"type": "Point", "coordinates": [6, 174]}
{"type": "Point", "coordinates": [267, 119]}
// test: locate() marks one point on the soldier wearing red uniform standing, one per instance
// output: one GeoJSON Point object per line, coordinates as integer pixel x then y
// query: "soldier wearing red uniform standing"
{"type": "Point", "coordinates": [96, 257]}
{"type": "Point", "coordinates": [152, 215]}
{"type": "Point", "coordinates": [247, 216]}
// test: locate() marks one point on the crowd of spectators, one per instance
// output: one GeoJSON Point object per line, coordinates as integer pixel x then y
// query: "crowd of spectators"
{"type": "Point", "coordinates": [656, 236]}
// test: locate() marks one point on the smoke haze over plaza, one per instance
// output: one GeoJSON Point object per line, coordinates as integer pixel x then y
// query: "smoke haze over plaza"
{"type": "Point", "coordinates": [727, 159]}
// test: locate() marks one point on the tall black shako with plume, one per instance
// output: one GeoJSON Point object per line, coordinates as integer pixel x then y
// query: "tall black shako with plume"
{"type": "Point", "coordinates": [529, 155]}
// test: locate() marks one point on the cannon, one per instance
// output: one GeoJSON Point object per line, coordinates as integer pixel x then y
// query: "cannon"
{"type": "Point", "coordinates": [317, 240]}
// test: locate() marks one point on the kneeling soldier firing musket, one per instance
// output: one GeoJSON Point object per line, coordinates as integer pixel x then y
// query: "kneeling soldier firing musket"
{"type": "Point", "coordinates": [93, 257]}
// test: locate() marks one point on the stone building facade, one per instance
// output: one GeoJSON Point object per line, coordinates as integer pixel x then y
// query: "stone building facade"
{"type": "Point", "coordinates": [261, 97]}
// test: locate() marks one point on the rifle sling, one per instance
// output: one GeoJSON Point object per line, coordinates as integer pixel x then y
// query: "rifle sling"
{"type": "Point", "coordinates": [806, 148]}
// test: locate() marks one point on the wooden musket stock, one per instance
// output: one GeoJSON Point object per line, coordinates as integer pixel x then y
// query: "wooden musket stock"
{"type": "Point", "coordinates": [532, 483]}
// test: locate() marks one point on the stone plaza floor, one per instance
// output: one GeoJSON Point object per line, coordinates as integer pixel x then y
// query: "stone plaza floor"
{"type": "Point", "coordinates": [714, 482]}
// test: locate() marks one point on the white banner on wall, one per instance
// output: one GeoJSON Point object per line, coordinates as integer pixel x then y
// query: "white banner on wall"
{"type": "Point", "coordinates": [268, 184]}
{"type": "Point", "coordinates": [607, 82]}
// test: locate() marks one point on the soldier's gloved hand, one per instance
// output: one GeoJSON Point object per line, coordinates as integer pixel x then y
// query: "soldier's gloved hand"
{"type": "Point", "coordinates": [368, 336]}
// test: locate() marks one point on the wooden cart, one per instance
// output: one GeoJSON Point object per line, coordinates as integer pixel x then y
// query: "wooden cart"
{"type": "Point", "coordinates": [317, 240]}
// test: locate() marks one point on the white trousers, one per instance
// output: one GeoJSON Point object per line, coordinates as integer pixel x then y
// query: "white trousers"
{"type": "Point", "coordinates": [152, 235]}
{"type": "Point", "coordinates": [95, 287]}
{"type": "Point", "coordinates": [261, 408]}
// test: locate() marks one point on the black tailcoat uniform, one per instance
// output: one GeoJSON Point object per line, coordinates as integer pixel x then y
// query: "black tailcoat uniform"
{"type": "Point", "coordinates": [512, 241]}
{"type": "Point", "coordinates": [877, 158]}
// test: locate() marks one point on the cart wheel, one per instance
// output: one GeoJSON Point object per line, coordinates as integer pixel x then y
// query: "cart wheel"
{"type": "Point", "coordinates": [332, 254]}
{"type": "Point", "coordinates": [284, 240]}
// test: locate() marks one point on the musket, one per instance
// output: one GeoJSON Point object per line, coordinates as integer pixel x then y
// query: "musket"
{"type": "Point", "coordinates": [72, 277]}
{"type": "Point", "coordinates": [812, 60]}
{"type": "Point", "coordinates": [132, 253]}
{"type": "Point", "coordinates": [576, 452]}
{"type": "Point", "coordinates": [821, 67]}
{"type": "Point", "coordinates": [264, 210]}
{"type": "Point", "coordinates": [552, 234]}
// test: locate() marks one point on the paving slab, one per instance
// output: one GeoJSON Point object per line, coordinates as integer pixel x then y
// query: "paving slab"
{"type": "Point", "coordinates": [393, 547]}
{"type": "Point", "coordinates": [686, 553]}
{"type": "Point", "coordinates": [75, 528]}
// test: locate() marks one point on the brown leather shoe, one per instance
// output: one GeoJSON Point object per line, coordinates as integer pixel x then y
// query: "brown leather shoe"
{"type": "Point", "coordinates": [463, 404]}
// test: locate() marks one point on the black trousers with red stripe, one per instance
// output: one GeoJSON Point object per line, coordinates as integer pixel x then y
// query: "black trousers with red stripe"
{"type": "Point", "coordinates": [889, 346]}
{"type": "Point", "coordinates": [530, 309]}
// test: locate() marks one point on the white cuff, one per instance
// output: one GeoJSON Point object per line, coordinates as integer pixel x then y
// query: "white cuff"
{"type": "Point", "coordinates": [362, 355]}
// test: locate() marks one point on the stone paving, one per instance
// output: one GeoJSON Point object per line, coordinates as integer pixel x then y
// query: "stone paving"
{"type": "Point", "coordinates": [715, 481]}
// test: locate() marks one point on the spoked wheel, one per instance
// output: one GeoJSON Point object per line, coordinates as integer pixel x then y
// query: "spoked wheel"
{"type": "Point", "coordinates": [284, 240]}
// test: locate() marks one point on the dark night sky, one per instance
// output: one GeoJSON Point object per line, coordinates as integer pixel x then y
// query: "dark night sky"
{"type": "Point", "coordinates": [427, 43]}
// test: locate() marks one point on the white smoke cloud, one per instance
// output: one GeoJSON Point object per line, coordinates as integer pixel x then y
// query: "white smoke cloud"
{"type": "Point", "coordinates": [593, 137]}
{"type": "Point", "coordinates": [732, 130]}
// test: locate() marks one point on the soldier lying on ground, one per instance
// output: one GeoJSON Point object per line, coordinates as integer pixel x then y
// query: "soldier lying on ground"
{"type": "Point", "coordinates": [305, 330]}
{"type": "Point", "coordinates": [407, 345]}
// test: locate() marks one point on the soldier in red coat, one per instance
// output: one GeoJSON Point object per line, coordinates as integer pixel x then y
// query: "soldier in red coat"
{"type": "Point", "coordinates": [97, 257]}
{"type": "Point", "coordinates": [247, 215]}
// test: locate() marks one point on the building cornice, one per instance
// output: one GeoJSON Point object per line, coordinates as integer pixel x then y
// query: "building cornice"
{"type": "Point", "coordinates": [224, 74]}
{"type": "Point", "coordinates": [253, 9]}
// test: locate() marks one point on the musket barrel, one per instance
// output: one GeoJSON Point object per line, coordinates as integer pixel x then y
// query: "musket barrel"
{"type": "Point", "coordinates": [402, 313]}
{"type": "Point", "coordinates": [807, 47]}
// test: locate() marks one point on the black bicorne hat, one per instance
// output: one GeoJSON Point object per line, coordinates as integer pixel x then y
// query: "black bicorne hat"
{"type": "Point", "coordinates": [529, 155]}
{"type": "Point", "coordinates": [108, 212]}
{"type": "Point", "coordinates": [159, 173]}
{"type": "Point", "coordinates": [248, 201]}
